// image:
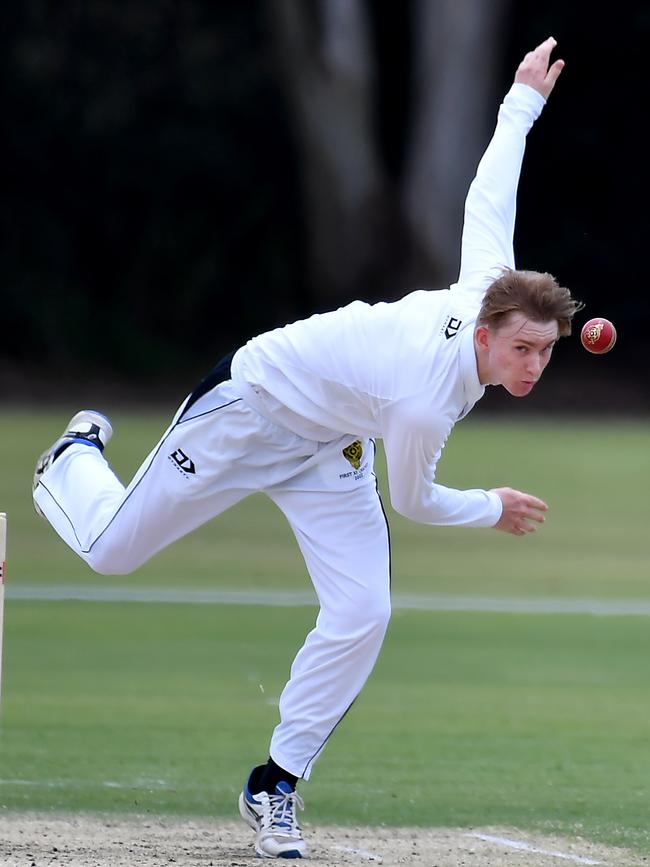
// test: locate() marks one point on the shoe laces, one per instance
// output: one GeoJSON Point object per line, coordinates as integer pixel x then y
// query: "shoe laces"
{"type": "Point", "coordinates": [281, 817]}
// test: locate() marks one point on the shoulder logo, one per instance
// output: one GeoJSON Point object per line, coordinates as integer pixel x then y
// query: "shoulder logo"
{"type": "Point", "coordinates": [451, 326]}
{"type": "Point", "coordinates": [183, 462]}
{"type": "Point", "coordinates": [353, 454]}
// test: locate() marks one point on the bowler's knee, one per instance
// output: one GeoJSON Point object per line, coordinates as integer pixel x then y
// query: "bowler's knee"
{"type": "Point", "coordinates": [378, 615]}
{"type": "Point", "coordinates": [112, 560]}
{"type": "Point", "coordinates": [367, 619]}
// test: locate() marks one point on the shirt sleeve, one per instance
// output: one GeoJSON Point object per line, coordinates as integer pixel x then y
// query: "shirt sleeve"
{"type": "Point", "coordinates": [413, 442]}
{"type": "Point", "coordinates": [490, 207]}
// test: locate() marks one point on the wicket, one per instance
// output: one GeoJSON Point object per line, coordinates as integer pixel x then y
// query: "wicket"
{"type": "Point", "coordinates": [3, 571]}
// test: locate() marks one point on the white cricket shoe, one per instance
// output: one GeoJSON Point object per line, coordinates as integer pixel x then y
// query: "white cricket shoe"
{"type": "Point", "coordinates": [86, 426]}
{"type": "Point", "coordinates": [273, 818]}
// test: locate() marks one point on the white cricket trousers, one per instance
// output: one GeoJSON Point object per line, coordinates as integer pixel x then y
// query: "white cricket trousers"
{"type": "Point", "coordinates": [211, 457]}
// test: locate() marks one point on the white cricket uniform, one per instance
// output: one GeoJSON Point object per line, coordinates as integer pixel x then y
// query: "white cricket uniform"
{"type": "Point", "coordinates": [297, 420]}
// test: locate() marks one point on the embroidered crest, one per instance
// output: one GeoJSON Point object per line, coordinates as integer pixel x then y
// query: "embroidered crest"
{"type": "Point", "coordinates": [353, 453]}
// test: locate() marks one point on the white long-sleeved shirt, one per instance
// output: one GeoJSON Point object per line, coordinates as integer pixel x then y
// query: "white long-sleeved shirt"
{"type": "Point", "coordinates": [404, 371]}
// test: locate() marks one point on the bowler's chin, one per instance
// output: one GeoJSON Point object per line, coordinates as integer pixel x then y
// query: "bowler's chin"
{"type": "Point", "coordinates": [520, 388]}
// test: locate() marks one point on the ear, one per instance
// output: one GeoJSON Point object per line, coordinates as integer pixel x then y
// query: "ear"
{"type": "Point", "coordinates": [482, 337]}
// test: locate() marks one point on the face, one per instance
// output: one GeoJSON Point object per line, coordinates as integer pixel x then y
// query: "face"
{"type": "Point", "coordinates": [516, 354]}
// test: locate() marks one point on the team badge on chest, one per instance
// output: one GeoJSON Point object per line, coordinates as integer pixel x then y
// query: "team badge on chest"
{"type": "Point", "coordinates": [353, 454]}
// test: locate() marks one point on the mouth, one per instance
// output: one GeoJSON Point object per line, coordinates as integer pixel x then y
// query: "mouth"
{"type": "Point", "coordinates": [526, 386]}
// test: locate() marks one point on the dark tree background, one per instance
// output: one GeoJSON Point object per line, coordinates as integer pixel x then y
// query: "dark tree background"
{"type": "Point", "coordinates": [156, 206]}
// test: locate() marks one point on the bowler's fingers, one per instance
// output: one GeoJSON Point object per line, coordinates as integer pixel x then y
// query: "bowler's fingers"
{"type": "Point", "coordinates": [520, 512]}
{"type": "Point", "coordinates": [535, 71]}
{"type": "Point", "coordinates": [541, 55]}
{"type": "Point", "coordinates": [535, 507]}
{"type": "Point", "coordinates": [529, 512]}
{"type": "Point", "coordinates": [533, 511]}
{"type": "Point", "coordinates": [547, 45]}
{"type": "Point", "coordinates": [553, 74]}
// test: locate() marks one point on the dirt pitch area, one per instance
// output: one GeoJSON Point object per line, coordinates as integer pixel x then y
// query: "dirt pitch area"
{"type": "Point", "coordinates": [76, 841]}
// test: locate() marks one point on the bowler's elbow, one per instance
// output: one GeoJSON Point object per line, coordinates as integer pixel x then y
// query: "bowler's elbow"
{"type": "Point", "coordinates": [410, 508]}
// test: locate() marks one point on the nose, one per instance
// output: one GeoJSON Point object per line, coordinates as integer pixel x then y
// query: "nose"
{"type": "Point", "coordinates": [535, 365]}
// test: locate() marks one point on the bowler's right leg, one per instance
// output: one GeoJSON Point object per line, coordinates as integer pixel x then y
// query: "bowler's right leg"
{"type": "Point", "coordinates": [190, 476]}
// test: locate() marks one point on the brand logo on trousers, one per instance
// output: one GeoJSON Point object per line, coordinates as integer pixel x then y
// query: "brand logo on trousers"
{"type": "Point", "coordinates": [183, 461]}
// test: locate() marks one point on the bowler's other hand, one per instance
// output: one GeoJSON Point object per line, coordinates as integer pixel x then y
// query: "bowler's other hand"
{"type": "Point", "coordinates": [534, 69]}
{"type": "Point", "coordinates": [520, 512]}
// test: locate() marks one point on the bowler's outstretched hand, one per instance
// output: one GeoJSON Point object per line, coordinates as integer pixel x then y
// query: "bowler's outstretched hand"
{"type": "Point", "coordinates": [520, 512]}
{"type": "Point", "coordinates": [534, 69]}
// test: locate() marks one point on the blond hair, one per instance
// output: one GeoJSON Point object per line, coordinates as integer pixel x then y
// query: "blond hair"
{"type": "Point", "coordinates": [538, 296]}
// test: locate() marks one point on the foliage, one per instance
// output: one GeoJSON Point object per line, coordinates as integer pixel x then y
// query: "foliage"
{"type": "Point", "coordinates": [151, 213]}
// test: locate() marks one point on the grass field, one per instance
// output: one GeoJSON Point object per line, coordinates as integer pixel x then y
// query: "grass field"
{"type": "Point", "coordinates": [535, 721]}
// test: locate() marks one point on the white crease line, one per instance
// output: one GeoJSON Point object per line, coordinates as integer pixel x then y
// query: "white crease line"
{"type": "Point", "coordinates": [363, 853]}
{"type": "Point", "coordinates": [109, 784]}
{"type": "Point", "coordinates": [289, 598]}
{"type": "Point", "coordinates": [519, 844]}
{"type": "Point", "coordinates": [46, 783]}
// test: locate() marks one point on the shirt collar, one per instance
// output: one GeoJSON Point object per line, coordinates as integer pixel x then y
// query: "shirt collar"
{"type": "Point", "coordinates": [473, 390]}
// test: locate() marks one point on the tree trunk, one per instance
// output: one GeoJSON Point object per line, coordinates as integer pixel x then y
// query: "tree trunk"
{"type": "Point", "coordinates": [365, 238]}
{"type": "Point", "coordinates": [456, 47]}
{"type": "Point", "coordinates": [328, 73]}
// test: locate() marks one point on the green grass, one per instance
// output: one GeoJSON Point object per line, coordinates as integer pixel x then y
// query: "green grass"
{"type": "Point", "coordinates": [593, 544]}
{"type": "Point", "coordinates": [534, 721]}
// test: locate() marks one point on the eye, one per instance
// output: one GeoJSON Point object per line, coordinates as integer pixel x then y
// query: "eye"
{"type": "Point", "coordinates": [521, 349]}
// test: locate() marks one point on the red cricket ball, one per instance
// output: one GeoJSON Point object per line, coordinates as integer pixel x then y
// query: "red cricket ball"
{"type": "Point", "coordinates": [598, 335]}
